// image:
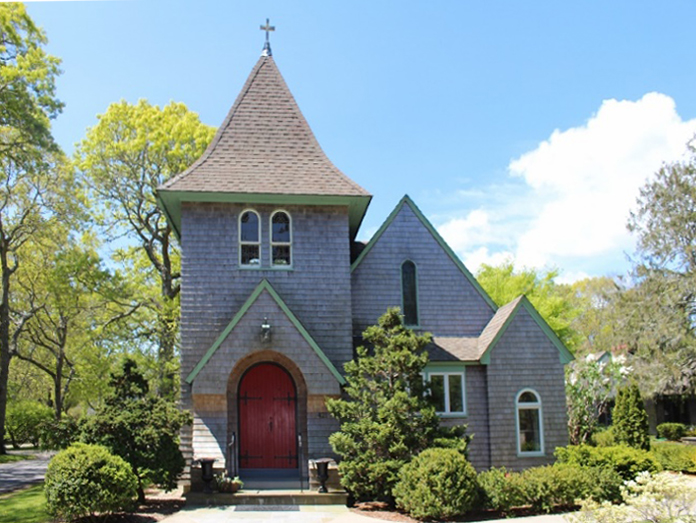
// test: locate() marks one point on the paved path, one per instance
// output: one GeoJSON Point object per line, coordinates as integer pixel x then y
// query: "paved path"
{"type": "Point", "coordinates": [19, 474]}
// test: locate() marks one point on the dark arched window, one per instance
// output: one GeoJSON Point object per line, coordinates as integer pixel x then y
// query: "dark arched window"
{"type": "Point", "coordinates": [530, 426]}
{"type": "Point", "coordinates": [409, 293]}
{"type": "Point", "coordinates": [249, 239]}
{"type": "Point", "coordinates": [281, 239]}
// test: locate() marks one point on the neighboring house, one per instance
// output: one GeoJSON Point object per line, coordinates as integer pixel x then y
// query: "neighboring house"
{"type": "Point", "coordinates": [275, 290]}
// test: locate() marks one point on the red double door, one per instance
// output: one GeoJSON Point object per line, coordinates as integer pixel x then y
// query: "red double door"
{"type": "Point", "coordinates": [267, 412]}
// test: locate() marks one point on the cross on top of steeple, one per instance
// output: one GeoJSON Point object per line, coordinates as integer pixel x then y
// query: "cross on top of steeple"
{"type": "Point", "coordinates": [267, 46]}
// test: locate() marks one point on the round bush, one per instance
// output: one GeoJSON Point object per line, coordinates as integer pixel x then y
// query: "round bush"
{"type": "Point", "coordinates": [83, 480]}
{"type": "Point", "coordinates": [438, 483]}
{"type": "Point", "coordinates": [671, 431]}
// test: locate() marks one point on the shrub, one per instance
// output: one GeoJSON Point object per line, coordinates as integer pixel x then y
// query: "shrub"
{"type": "Point", "coordinates": [627, 461]}
{"type": "Point", "coordinates": [86, 479]}
{"type": "Point", "coordinates": [438, 483]}
{"type": "Point", "coordinates": [23, 420]}
{"type": "Point", "coordinates": [676, 457]}
{"type": "Point", "coordinates": [630, 419]}
{"type": "Point", "coordinates": [671, 431]}
{"type": "Point", "coordinates": [501, 490]}
{"type": "Point", "coordinates": [58, 434]}
{"type": "Point", "coordinates": [604, 438]}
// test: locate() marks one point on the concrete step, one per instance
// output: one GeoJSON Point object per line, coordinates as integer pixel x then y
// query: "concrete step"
{"type": "Point", "coordinates": [267, 497]}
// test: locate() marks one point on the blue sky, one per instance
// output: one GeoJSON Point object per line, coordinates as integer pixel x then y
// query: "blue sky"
{"type": "Point", "coordinates": [523, 130]}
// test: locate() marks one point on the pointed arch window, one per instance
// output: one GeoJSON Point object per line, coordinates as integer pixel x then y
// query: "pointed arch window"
{"type": "Point", "coordinates": [530, 427]}
{"type": "Point", "coordinates": [281, 239]}
{"type": "Point", "coordinates": [249, 239]}
{"type": "Point", "coordinates": [409, 293]}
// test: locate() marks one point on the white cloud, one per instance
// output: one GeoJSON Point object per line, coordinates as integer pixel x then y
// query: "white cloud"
{"type": "Point", "coordinates": [474, 259]}
{"type": "Point", "coordinates": [582, 184]}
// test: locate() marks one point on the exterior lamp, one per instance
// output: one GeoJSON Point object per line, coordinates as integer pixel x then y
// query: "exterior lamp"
{"type": "Point", "coordinates": [265, 330]}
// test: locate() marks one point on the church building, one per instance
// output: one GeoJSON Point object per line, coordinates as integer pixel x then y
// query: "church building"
{"type": "Point", "coordinates": [276, 291]}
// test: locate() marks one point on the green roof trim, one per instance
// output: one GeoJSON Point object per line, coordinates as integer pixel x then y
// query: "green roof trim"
{"type": "Point", "coordinates": [406, 200]}
{"type": "Point", "coordinates": [261, 287]}
{"type": "Point", "coordinates": [170, 203]}
{"type": "Point", "coordinates": [565, 355]}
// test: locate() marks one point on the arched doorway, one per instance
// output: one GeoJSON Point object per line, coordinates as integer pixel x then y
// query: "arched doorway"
{"type": "Point", "coordinates": [267, 407]}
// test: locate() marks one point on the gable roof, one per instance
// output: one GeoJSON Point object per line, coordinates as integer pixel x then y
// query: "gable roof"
{"type": "Point", "coordinates": [264, 148]}
{"type": "Point", "coordinates": [495, 329]}
{"type": "Point", "coordinates": [260, 288]}
{"type": "Point", "coordinates": [406, 200]}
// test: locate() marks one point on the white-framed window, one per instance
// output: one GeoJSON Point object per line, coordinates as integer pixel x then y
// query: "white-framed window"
{"type": "Point", "coordinates": [447, 392]}
{"type": "Point", "coordinates": [530, 423]}
{"type": "Point", "coordinates": [281, 239]}
{"type": "Point", "coordinates": [249, 239]}
{"type": "Point", "coordinates": [409, 293]}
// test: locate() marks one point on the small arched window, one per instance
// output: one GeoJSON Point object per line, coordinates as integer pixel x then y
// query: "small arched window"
{"type": "Point", "coordinates": [530, 429]}
{"type": "Point", "coordinates": [409, 293]}
{"type": "Point", "coordinates": [281, 239]}
{"type": "Point", "coordinates": [249, 239]}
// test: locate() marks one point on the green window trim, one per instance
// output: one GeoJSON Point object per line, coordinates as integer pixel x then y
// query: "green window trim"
{"type": "Point", "coordinates": [249, 243]}
{"type": "Point", "coordinates": [277, 243]}
{"type": "Point", "coordinates": [536, 407]}
{"type": "Point", "coordinates": [449, 373]}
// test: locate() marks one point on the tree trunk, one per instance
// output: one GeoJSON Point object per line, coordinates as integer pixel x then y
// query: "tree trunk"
{"type": "Point", "coordinates": [4, 341]}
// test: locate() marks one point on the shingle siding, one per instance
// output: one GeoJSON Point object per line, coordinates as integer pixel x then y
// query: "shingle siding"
{"type": "Point", "coordinates": [524, 357]}
{"type": "Point", "coordinates": [448, 304]}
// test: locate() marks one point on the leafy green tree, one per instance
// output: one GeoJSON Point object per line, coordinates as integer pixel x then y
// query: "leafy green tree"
{"type": "Point", "coordinates": [24, 420]}
{"type": "Point", "coordinates": [385, 419]}
{"type": "Point", "coordinates": [554, 301]}
{"type": "Point", "coordinates": [29, 159]}
{"type": "Point", "coordinates": [630, 419]}
{"type": "Point", "coordinates": [591, 384]}
{"type": "Point", "coordinates": [141, 428]}
{"type": "Point", "coordinates": [661, 308]}
{"type": "Point", "coordinates": [126, 156]}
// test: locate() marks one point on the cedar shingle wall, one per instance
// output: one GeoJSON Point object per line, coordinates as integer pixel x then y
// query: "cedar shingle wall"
{"type": "Point", "coordinates": [525, 358]}
{"type": "Point", "coordinates": [448, 304]}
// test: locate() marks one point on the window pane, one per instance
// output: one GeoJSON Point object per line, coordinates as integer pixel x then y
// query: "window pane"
{"type": "Point", "coordinates": [281, 255]}
{"type": "Point", "coordinates": [530, 437]}
{"type": "Point", "coordinates": [250, 227]}
{"type": "Point", "coordinates": [456, 393]}
{"type": "Point", "coordinates": [528, 397]}
{"type": "Point", "coordinates": [410, 293]}
{"type": "Point", "coordinates": [250, 255]}
{"type": "Point", "coordinates": [281, 227]}
{"type": "Point", "coordinates": [437, 391]}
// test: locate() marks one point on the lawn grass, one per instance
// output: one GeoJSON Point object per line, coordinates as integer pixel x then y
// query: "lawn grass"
{"type": "Point", "coordinates": [9, 458]}
{"type": "Point", "coordinates": [24, 506]}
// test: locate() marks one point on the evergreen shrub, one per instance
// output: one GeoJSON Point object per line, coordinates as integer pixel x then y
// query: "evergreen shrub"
{"type": "Point", "coordinates": [59, 434]}
{"type": "Point", "coordinates": [84, 480]}
{"type": "Point", "coordinates": [676, 457]}
{"type": "Point", "coordinates": [671, 431]}
{"type": "Point", "coordinates": [438, 483]}
{"type": "Point", "coordinates": [604, 438]}
{"type": "Point", "coordinates": [627, 461]}
{"type": "Point", "coordinates": [630, 419]}
{"type": "Point", "coordinates": [502, 490]}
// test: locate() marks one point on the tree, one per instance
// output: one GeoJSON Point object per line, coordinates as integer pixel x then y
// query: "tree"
{"type": "Point", "coordinates": [554, 301]}
{"type": "Point", "coordinates": [662, 305]}
{"type": "Point", "coordinates": [28, 156]}
{"type": "Point", "coordinates": [590, 386]}
{"type": "Point", "coordinates": [386, 419]}
{"type": "Point", "coordinates": [141, 428]}
{"type": "Point", "coordinates": [126, 156]}
{"type": "Point", "coordinates": [630, 419]}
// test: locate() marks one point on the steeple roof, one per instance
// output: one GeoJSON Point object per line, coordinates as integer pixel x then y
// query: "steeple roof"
{"type": "Point", "coordinates": [265, 146]}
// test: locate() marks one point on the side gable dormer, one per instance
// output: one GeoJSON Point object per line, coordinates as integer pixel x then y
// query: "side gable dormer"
{"type": "Point", "coordinates": [449, 300]}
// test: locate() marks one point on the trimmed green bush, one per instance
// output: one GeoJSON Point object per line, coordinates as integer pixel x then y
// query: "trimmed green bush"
{"type": "Point", "coordinates": [676, 457]}
{"type": "Point", "coordinates": [502, 490]}
{"type": "Point", "coordinates": [59, 434]}
{"type": "Point", "coordinates": [23, 421]}
{"type": "Point", "coordinates": [437, 483]}
{"type": "Point", "coordinates": [630, 419]}
{"type": "Point", "coordinates": [84, 480]}
{"type": "Point", "coordinates": [627, 461]}
{"type": "Point", "coordinates": [671, 431]}
{"type": "Point", "coordinates": [604, 438]}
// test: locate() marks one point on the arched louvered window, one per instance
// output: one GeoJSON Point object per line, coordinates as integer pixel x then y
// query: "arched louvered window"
{"type": "Point", "coordinates": [530, 426]}
{"type": "Point", "coordinates": [409, 293]}
{"type": "Point", "coordinates": [249, 239]}
{"type": "Point", "coordinates": [281, 239]}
